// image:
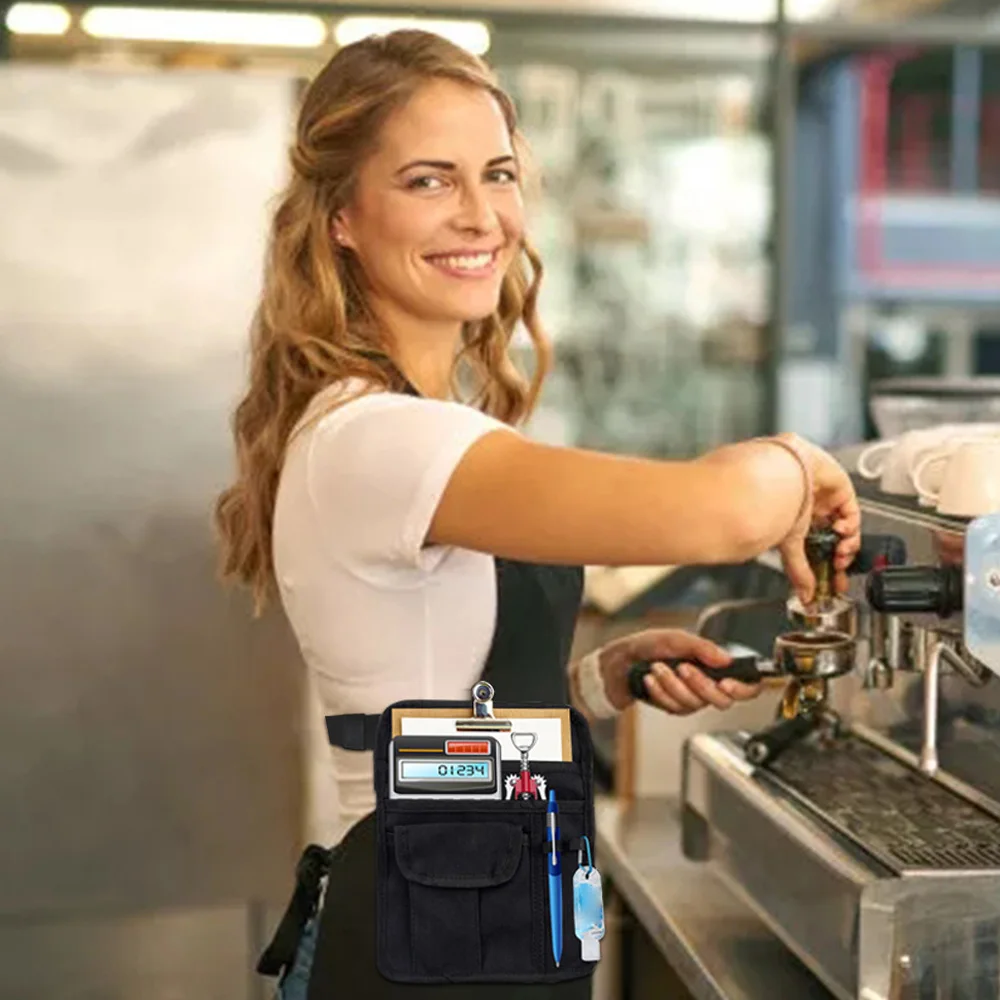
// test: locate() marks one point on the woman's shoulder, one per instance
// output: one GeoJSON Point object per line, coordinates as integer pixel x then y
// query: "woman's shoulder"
{"type": "Point", "coordinates": [346, 401]}
{"type": "Point", "coordinates": [342, 397]}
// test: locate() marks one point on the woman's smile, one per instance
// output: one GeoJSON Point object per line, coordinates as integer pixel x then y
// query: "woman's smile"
{"type": "Point", "coordinates": [466, 265]}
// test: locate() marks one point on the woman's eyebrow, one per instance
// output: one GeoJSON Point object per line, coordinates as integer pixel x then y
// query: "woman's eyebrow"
{"type": "Point", "coordinates": [448, 165]}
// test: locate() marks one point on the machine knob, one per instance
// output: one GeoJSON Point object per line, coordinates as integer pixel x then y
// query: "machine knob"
{"type": "Point", "coordinates": [877, 552]}
{"type": "Point", "coordinates": [916, 589]}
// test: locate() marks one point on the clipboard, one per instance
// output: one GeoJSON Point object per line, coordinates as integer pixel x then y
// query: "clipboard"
{"type": "Point", "coordinates": [547, 738]}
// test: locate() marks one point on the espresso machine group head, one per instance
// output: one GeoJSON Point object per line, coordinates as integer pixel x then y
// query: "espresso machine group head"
{"type": "Point", "coordinates": [820, 646]}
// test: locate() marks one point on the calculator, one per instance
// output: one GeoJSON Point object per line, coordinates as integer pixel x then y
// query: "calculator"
{"type": "Point", "coordinates": [445, 767]}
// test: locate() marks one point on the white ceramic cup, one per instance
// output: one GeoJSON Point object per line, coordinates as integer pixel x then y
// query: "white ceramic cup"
{"type": "Point", "coordinates": [961, 434]}
{"type": "Point", "coordinates": [891, 461]}
{"type": "Point", "coordinates": [969, 485]}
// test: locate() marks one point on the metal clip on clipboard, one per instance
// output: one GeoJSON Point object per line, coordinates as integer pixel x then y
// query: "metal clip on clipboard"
{"type": "Point", "coordinates": [483, 720]}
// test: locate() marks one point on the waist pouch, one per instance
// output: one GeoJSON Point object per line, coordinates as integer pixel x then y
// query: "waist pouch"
{"type": "Point", "coordinates": [462, 885]}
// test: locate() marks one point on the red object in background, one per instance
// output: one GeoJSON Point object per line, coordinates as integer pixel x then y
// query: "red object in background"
{"type": "Point", "coordinates": [989, 144]}
{"type": "Point", "coordinates": [876, 73]}
{"type": "Point", "coordinates": [916, 118]}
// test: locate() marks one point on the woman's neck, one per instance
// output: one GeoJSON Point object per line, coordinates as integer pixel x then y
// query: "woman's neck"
{"type": "Point", "coordinates": [430, 376]}
{"type": "Point", "coordinates": [425, 353]}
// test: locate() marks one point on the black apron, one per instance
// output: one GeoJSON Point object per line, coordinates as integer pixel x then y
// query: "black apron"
{"type": "Point", "coordinates": [537, 608]}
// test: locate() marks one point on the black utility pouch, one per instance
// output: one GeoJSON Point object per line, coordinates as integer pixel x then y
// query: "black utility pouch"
{"type": "Point", "coordinates": [462, 884]}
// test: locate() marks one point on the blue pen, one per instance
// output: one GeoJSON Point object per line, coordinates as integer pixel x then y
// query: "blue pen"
{"type": "Point", "coordinates": [555, 877]}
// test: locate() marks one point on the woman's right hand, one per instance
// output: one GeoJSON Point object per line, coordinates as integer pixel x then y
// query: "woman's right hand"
{"type": "Point", "coordinates": [833, 503]}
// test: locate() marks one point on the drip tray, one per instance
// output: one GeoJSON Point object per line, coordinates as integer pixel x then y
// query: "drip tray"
{"type": "Point", "coordinates": [902, 818]}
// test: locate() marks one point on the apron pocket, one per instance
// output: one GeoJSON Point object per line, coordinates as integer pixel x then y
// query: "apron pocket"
{"type": "Point", "coordinates": [565, 778]}
{"type": "Point", "coordinates": [469, 896]}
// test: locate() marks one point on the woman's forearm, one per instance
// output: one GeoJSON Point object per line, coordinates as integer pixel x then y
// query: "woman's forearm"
{"type": "Point", "coordinates": [775, 488]}
{"type": "Point", "coordinates": [522, 500]}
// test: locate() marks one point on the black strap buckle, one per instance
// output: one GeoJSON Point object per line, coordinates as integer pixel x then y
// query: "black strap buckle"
{"type": "Point", "coordinates": [352, 732]}
{"type": "Point", "coordinates": [309, 873]}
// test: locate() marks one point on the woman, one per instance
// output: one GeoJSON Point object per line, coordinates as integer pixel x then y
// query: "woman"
{"type": "Point", "coordinates": [417, 542]}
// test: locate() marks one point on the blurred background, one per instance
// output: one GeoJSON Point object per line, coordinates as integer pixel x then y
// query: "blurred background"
{"type": "Point", "coordinates": [751, 210]}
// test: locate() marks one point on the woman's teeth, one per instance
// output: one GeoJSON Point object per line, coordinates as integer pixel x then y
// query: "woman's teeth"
{"type": "Point", "coordinates": [465, 262]}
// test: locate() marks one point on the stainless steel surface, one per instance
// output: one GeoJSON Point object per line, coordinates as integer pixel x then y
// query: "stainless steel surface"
{"type": "Point", "coordinates": [973, 671]}
{"type": "Point", "coordinates": [883, 650]}
{"type": "Point", "coordinates": [719, 609]}
{"type": "Point", "coordinates": [149, 743]}
{"type": "Point", "coordinates": [943, 778]}
{"type": "Point", "coordinates": [820, 890]}
{"type": "Point", "coordinates": [932, 680]}
{"type": "Point", "coordinates": [885, 806]}
{"type": "Point", "coordinates": [814, 654]}
{"type": "Point", "coordinates": [899, 642]}
{"type": "Point", "coordinates": [717, 944]}
{"type": "Point", "coordinates": [932, 540]}
{"type": "Point", "coordinates": [779, 859]}
{"type": "Point", "coordinates": [834, 615]}
{"type": "Point", "coordinates": [865, 884]}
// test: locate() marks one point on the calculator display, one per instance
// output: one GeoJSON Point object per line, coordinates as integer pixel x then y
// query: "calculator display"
{"type": "Point", "coordinates": [445, 767]}
{"type": "Point", "coordinates": [419, 770]}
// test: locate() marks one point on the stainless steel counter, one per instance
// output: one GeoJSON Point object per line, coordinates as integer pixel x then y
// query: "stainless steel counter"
{"type": "Point", "coordinates": [712, 939]}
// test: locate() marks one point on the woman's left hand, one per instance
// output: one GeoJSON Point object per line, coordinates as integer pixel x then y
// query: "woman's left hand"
{"type": "Point", "coordinates": [678, 691]}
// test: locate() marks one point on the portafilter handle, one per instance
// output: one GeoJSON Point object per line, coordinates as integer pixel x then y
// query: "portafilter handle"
{"type": "Point", "coordinates": [742, 668]}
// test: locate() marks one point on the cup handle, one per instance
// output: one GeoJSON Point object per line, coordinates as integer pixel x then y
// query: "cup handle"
{"type": "Point", "coordinates": [872, 452]}
{"type": "Point", "coordinates": [934, 457]}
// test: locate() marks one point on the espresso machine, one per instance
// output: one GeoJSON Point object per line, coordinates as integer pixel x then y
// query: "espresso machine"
{"type": "Point", "coordinates": [863, 826]}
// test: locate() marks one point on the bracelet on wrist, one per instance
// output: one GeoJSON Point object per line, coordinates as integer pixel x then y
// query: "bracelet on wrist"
{"type": "Point", "coordinates": [791, 445]}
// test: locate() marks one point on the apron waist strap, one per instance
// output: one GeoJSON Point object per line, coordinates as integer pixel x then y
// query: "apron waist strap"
{"type": "Point", "coordinates": [352, 732]}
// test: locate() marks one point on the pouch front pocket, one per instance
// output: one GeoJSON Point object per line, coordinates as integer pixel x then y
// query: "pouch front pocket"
{"type": "Point", "coordinates": [468, 890]}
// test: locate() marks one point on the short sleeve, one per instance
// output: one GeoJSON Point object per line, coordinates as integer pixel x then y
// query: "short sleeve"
{"type": "Point", "coordinates": [377, 467]}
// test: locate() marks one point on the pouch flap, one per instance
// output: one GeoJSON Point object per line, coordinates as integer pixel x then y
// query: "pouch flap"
{"type": "Point", "coordinates": [458, 855]}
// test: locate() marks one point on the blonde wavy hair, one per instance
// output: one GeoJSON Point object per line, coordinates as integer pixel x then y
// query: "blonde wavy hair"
{"type": "Point", "coordinates": [312, 327]}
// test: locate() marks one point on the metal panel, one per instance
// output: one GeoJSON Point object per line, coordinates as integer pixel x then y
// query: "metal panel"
{"type": "Point", "coordinates": [181, 954]}
{"type": "Point", "coordinates": [149, 754]}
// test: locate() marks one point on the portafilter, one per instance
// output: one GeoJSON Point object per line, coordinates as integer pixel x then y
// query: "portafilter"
{"type": "Point", "coordinates": [823, 646]}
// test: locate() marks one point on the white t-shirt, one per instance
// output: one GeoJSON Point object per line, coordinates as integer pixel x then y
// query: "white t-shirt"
{"type": "Point", "coordinates": [378, 615]}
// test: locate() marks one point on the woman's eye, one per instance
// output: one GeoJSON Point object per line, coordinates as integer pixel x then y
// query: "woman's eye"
{"type": "Point", "coordinates": [425, 183]}
{"type": "Point", "coordinates": [503, 176]}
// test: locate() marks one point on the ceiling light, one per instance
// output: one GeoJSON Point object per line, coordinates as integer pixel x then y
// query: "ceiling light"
{"type": "Point", "coordinates": [471, 35]}
{"type": "Point", "coordinates": [211, 26]}
{"type": "Point", "coordinates": [745, 11]}
{"type": "Point", "coordinates": [38, 19]}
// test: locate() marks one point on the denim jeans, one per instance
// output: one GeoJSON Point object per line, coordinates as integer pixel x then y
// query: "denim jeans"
{"type": "Point", "coordinates": [295, 985]}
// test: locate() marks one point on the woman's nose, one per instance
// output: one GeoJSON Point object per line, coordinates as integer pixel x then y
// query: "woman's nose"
{"type": "Point", "coordinates": [477, 211]}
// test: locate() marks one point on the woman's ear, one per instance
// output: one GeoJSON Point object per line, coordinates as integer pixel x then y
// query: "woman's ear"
{"type": "Point", "coordinates": [340, 232]}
